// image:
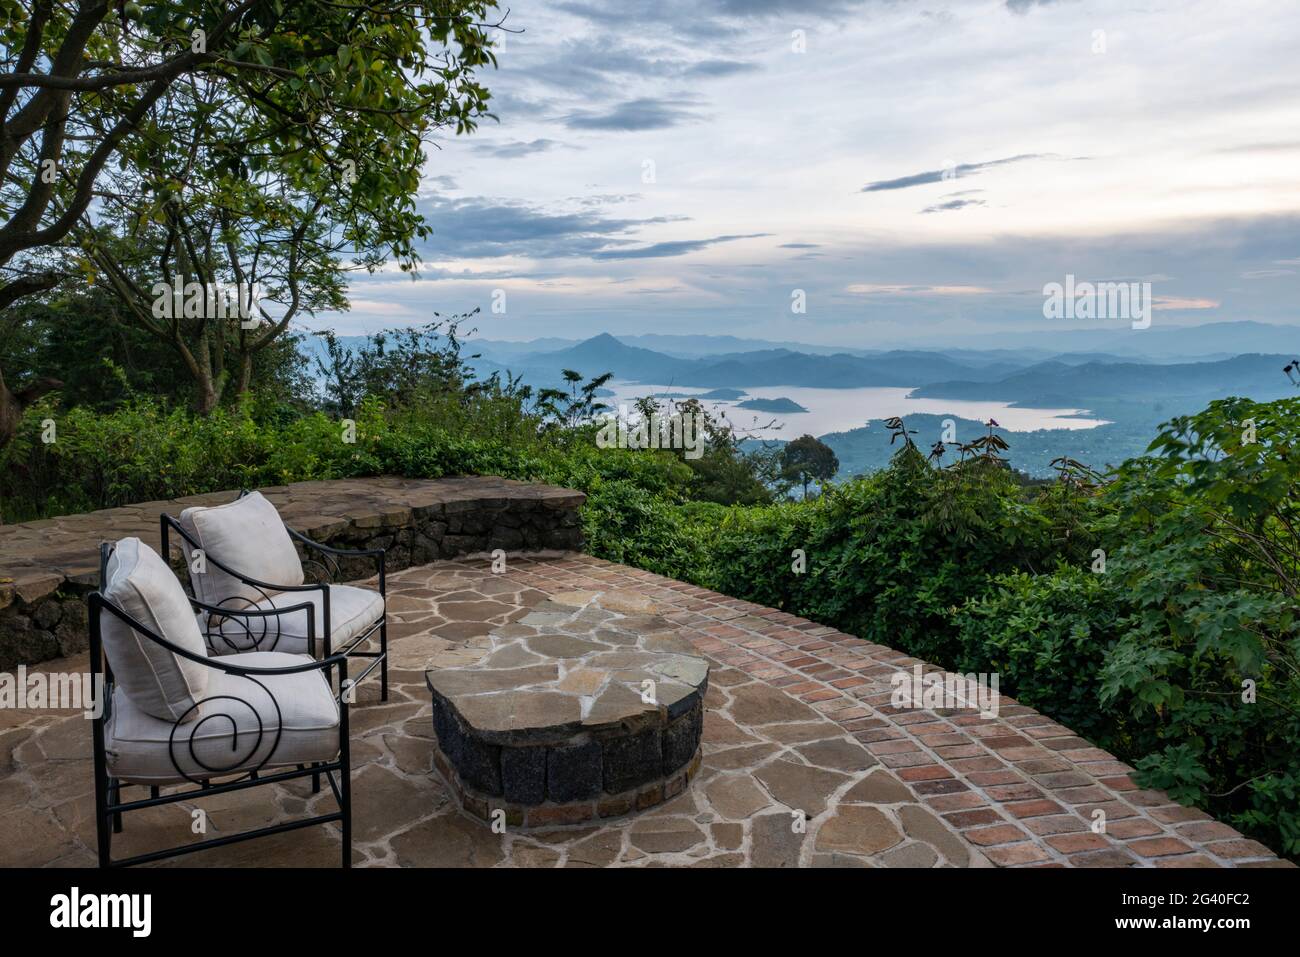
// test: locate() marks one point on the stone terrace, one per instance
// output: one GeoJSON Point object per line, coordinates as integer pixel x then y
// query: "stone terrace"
{"type": "Point", "coordinates": [797, 721]}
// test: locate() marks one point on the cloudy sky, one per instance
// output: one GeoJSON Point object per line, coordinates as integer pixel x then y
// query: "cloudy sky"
{"type": "Point", "coordinates": [919, 169]}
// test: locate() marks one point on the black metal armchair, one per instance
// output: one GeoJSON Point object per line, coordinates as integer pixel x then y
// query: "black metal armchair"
{"type": "Point", "coordinates": [256, 712]}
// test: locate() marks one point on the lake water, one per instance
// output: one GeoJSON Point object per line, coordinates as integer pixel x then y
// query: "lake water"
{"type": "Point", "coordinates": [839, 410]}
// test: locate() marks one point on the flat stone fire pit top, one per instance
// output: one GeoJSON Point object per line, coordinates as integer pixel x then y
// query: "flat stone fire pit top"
{"type": "Point", "coordinates": [589, 696]}
{"type": "Point", "coordinates": [581, 661]}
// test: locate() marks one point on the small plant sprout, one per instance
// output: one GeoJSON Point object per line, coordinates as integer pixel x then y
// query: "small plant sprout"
{"type": "Point", "coordinates": [898, 430]}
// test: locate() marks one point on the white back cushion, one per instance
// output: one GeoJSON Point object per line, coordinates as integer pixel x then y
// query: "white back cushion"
{"type": "Point", "coordinates": [248, 536]}
{"type": "Point", "coordinates": [158, 682]}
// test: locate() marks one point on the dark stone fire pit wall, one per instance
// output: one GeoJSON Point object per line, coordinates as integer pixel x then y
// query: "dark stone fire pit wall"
{"type": "Point", "coordinates": [607, 773]}
{"type": "Point", "coordinates": [48, 567]}
{"type": "Point", "coordinates": [607, 762]}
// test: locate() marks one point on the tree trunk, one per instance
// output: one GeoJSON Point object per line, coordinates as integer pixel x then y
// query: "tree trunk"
{"type": "Point", "coordinates": [245, 377]}
{"type": "Point", "coordinates": [14, 404]}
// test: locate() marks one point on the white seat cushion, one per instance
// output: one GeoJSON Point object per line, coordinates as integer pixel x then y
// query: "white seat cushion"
{"type": "Point", "coordinates": [352, 611]}
{"type": "Point", "coordinates": [247, 536]}
{"type": "Point", "coordinates": [158, 681]}
{"type": "Point", "coordinates": [237, 726]}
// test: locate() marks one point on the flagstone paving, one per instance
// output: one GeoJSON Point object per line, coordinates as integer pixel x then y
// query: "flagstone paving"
{"type": "Point", "coordinates": [805, 761]}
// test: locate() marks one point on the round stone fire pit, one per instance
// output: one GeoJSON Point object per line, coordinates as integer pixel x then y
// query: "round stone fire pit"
{"type": "Point", "coordinates": [586, 707]}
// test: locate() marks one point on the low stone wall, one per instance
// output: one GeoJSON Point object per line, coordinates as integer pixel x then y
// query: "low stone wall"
{"type": "Point", "coordinates": [48, 567]}
{"type": "Point", "coordinates": [543, 787]}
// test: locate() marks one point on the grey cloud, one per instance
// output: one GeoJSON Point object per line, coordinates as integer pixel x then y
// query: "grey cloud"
{"type": "Point", "coordinates": [953, 204]}
{"type": "Point", "coordinates": [800, 246]}
{"type": "Point", "coordinates": [513, 149]}
{"type": "Point", "coordinates": [720, 68]}
{"type": "Point", "coordinates": [633, 115]}
{"type": "Point", "coordinates": [956, 172]}
{"type": "Point", "coordinates": [1024, 6]}
{"type": "Point", "coordinates": [689, 14]}
{"type": "Point", "coordinates": [675, 248]}
{"type": "Point", "coordinates": [602, 63]}
{"type": "Point", "coordinates": [479, 227]}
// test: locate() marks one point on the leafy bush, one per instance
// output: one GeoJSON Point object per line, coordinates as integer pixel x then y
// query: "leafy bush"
{"type": "Point", "coordinates": [1207, 666]}
{"type": "Point", "coordinates": [891, 557]}
{"type": "Point", "coordinates": [1045, 636]}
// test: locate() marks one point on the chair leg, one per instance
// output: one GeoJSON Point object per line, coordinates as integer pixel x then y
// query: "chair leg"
{"type": "Point", "coordinates": [315, 783]}
{"type": "Point", "coordinates": [383, 650]}
{"type": "Point", "coordinates": [103, 828]}
{"type": "Point", "coordinates": [115, 797]}
{"type": "Point", "coordinates": [345, 791]}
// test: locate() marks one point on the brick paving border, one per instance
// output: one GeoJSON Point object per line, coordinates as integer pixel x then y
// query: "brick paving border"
{"type": "Point", "coordinates": [1020, 786]}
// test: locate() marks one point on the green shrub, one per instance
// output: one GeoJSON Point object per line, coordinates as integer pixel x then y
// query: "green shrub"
{"type": "Point", "coordinates": [1046, 637]}
{"type": "Point", "coordinates": [1207, 665]}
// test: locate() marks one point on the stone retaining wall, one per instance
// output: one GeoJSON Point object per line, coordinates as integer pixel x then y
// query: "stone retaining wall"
{"type": "Point", "coordinates": [48, 567]}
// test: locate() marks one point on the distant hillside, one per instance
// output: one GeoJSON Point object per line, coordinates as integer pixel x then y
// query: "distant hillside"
{"type": "Point", "coordinates": [1059, 384]}
{"type": "Point", "coordinates": [781, 405]}
{"type": "Point", "coordinates": [1212, 339]}
{"type": "Point", "coordinates": [757, 368]}
{"type": "Point", "coordinates": [868, 449]}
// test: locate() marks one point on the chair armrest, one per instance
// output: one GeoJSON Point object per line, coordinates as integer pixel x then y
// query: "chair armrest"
{"type": "Point", "coordinates": [379, 554]}
{"type": "Point", "coordinates": [98, 602]}
{"type": "Point", "coordinates": [330, 549]}
{"type": "Point", "coordinates": [249, 612]}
